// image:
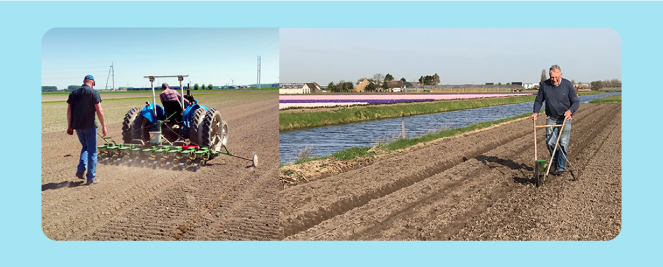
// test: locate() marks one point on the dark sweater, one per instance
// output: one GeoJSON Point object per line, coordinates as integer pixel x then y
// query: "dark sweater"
{"type": "Point", "coordinates": [558, 99]}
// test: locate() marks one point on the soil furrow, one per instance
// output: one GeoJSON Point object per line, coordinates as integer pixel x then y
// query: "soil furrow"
{"type": "Point", "coordinates": [145, 204]}
{"type": "Point", "coordinates": [449, 201]}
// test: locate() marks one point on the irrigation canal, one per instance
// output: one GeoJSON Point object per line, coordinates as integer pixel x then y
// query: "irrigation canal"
{"type": "Point", "coordinates": [331, 139]}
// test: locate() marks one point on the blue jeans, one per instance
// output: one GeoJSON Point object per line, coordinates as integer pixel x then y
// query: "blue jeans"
{"type": "Point", "coordinates": [562, 153]}
{"type": "Point", "coordinates": [88, 138]}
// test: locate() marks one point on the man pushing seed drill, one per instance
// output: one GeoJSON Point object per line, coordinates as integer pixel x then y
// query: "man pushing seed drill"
{"type": "Point", "coordinates": [561, 103]}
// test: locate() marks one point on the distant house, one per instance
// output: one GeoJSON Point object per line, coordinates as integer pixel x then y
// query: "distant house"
{"type": "Point", "coordinates": [299, 88]}
{"type": "Point", "coordinates": [396, 86]}
{"type": "Point", "coordinates": [311, 88]}
{"type": "Point", "coordinates": [361, 87]}
{"type": "Point", "coordinates": [582, 86]}
{"type": "Point", "coordinates": [529, 85]}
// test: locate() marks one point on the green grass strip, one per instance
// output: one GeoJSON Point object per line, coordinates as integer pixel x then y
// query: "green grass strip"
{"type": "Point", "coordinates": [609, 99]}
{"type": "Point", "coordinates": [295, 121]}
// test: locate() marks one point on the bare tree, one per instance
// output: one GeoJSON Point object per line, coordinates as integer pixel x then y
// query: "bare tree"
{"type": "Point", "coordinates": [378, 78]}
{"type": "Point", "coordinates": [544, 75]}
{"type": "Point", "coordinates": [436, 79]}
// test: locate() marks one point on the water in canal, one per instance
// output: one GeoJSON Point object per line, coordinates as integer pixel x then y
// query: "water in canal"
{"type": "Point", "coordinates": [325, 141]}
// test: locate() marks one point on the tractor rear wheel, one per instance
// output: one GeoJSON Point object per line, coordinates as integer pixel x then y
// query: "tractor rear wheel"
{"type": "Point", "coordinates": [210, 130]}
{"type": "Point", "coordinates": [196, 121]}
{"type": "Point", "coordinates": [145, 127]}
{"type": "Point", "coordinates": [129, 127]}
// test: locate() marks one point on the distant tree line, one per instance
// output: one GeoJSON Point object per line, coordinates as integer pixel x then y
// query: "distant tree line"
{"type": "Point", "coordinates": [49, 88]}
{"type": "Point", "coordinates": [341, 86]}
{"type": "Point", "coordinates": [597, 85]}
{"type": "Point", "coordinates": [202, 87]}
{"type": "Point", "coordinates": [430, 80]}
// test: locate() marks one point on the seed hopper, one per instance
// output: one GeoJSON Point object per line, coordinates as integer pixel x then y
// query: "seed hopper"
{"type": "Point", "coordinates": [172, 136]}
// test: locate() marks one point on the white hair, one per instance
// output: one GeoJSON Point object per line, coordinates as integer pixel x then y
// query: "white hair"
{"type": "Point", "coordinates": [555, 68]}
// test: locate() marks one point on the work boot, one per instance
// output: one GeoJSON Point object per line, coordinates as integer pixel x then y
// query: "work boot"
{"type": "Point", "coordinates": [94, 181]}
{"type": "Point", "coordinates": [553, 168]}
{"type": "Point", "coordinates": [80, 175]}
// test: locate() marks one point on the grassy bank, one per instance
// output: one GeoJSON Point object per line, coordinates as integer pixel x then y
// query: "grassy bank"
{"type": "Point", "coordinates": [363, 152]}
{"type": "Point", "coordinates": [591, 93]}
{"type": "Point", "coordinates": [609, 99]}
{"type": "Point", "coordinates": [295, 121]}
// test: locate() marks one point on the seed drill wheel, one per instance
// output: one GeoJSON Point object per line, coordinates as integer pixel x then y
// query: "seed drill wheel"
{"type": "Point", "coordinates": [196, 121]}
{"type": "Point", "coordinates": [131, 125]}
{"type": "Point", "coordinates": [211, 130]}
{"type": "Point", "coordinates": [539, 173]}
{"type": "Point", "coordinates": [255, 159]}
{"type": "Point", "coordinates": [224, 134]}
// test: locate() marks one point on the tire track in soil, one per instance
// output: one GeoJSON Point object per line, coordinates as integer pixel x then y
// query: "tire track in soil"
{"type": "Point", "coordinates": [487, 182]}
{"type": "Point", "coordinates": [141, 204]}
{"type": "Point", "coordinates": [186, 203]}
{"type": "Point", "coordinates": [245, 222]}
{"type": "Point", "coordinates": [246, 208]}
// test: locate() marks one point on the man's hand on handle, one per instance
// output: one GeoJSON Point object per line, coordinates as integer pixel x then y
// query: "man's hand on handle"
{"type": "Point", "coordinates": [535, 115]}
{"type": "Point", "coordinates": [103, 130]}
{"type": "Point", "coordinates": [567, 114]}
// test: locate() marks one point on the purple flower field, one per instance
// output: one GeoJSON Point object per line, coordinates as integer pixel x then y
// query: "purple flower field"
{"type": "Point", "coordinates": [289, 101]}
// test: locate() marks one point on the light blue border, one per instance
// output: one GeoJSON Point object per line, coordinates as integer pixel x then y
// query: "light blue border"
{"type": "Point", "coordinates": [22, 28]}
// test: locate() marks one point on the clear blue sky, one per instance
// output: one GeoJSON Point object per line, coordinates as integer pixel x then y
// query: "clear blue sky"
{"type": "Point", "coordinates": [459, 56]}
{"type": "Point", "coordinates": [208, 56]}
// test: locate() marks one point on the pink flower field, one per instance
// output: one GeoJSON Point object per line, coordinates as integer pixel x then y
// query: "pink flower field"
{"type": "Point", "coordinates": [309, 101]}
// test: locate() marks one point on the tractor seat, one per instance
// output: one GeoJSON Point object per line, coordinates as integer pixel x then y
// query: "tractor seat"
{"type": "Point", "coordinates": [173, 106]}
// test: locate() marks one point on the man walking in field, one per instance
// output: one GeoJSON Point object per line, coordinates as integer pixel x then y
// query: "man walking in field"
{"type": "Point", "coordinates": [83, 103]}
{"type": "Point", "coordinates": [561, 103]}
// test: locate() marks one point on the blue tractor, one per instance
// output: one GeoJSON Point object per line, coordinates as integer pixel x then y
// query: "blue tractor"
{"type": "Point", "coordinates": [174, 135]}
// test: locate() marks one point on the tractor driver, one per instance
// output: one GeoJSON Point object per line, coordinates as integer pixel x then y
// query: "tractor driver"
{"type": "Point", "coordinates": [561, 103]}
{"type": "Point", "coordinates": [168, 99]}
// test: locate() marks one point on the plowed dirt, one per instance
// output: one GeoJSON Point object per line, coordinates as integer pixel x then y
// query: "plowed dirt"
{"type": "Point", "coordinates": [225, 200]}
{"type": "Point", "coordinates": [476, 187]}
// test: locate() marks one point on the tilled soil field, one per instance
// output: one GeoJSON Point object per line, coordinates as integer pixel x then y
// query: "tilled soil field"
{"type": "Point", "coordinates": [225, 200]}
{"type": "Point", "coordinates": [474, 187]}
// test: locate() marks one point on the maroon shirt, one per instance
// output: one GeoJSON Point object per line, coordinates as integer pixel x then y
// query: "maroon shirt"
{"type": "Point", "coordinates": [171, 95]}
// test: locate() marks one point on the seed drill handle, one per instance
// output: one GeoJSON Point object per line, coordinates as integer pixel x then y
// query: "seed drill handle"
{"type": "Point", "coordinates": [559, 136]}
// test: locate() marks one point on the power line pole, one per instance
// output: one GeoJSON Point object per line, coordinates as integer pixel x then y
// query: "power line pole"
{"type": "Point", "coordinates": [258, 72]}
{"type": "Point", "coordinates": [111, 72]}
